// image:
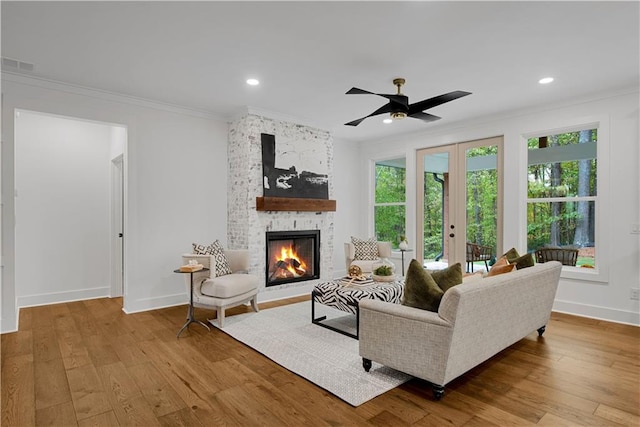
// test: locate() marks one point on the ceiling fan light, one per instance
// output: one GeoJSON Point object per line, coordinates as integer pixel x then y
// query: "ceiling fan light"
{"type": "Point", "coordinates": [398, 115]}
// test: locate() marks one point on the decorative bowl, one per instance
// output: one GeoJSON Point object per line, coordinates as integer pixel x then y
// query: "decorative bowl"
{"type": "Point", "coordinates": [377, 278]}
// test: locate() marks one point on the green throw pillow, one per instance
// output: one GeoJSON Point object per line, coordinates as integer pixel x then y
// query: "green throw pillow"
{"type": "Point", "coordinates": [420, 290]}
{"type": "Point", "coordinates": [524, 261]}
{"type": "Point", "coordinates": [447, 277]}
{"type": "Point", "coordinates": [511, 254]}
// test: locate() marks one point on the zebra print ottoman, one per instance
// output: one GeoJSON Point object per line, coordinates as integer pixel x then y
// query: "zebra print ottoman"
{"type": "Point", "coordinates": [346, 298]}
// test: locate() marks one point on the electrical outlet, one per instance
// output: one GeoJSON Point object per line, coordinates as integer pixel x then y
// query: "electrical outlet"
{"type": "Point", "coordinates": [635, 293]}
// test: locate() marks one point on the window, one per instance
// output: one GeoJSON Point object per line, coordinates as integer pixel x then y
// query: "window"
{"type": "Point", "coordinates": [561, 193]}
{"type": "Point", "coordinates": [389, 200]}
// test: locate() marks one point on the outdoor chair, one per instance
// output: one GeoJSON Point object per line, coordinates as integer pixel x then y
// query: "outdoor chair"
{"type": "Point", "coordinates": [477, 252]}
{"type": "Point", "coordinates": [567, 256]}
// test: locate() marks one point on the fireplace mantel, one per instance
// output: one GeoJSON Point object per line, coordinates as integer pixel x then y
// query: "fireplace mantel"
{"type": "Point", "coordinates": [294, 204]}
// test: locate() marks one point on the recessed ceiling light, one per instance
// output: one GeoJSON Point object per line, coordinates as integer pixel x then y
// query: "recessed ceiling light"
{"type": "Point", "coordinates": [387, 121]}
{"type": "Point", "coordinates": [253, 82]}
{"type": "Point", "coordinates": [545, 80]}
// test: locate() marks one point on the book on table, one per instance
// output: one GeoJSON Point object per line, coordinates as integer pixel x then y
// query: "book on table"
{"type": "Point", "coordinates": [191, 268]}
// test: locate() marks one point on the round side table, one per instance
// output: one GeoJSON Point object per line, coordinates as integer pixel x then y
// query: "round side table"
{"type": "Point", "coordinates": [190, 317]}
{"type": "Point", "coordinates": [402, 251]}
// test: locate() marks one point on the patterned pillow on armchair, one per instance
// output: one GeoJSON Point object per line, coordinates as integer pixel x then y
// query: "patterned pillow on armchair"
{"type": "Point", "coordinates": [222, 263]}
{"type": "Point", "coordinates": [366, 250]}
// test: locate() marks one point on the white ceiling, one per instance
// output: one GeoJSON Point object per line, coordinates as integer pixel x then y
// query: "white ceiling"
{"type": "Point", "coordinates": [308, 54]}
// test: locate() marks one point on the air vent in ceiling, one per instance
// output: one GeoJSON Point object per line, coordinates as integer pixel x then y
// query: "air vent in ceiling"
{"type": "Point", "coordinates": [14, 64]}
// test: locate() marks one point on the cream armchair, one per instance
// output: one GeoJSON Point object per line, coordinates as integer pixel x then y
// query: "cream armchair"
{"type": "Point", "coordinates": [225, 291]}
{"type": "Point", "coordinates": [384, 251]}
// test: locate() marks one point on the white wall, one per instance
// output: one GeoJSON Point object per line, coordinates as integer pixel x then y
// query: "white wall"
{"type": "Point", "coordinates": [62, 209]}
{"type": "Point", "coordinates": [118, 140]}
{"type": "Point", "coordinates": [175, 184]}
{"type": "Point", "coordinates": [607, 297]}
{"type": "Point", "coordinates": [348, 187]}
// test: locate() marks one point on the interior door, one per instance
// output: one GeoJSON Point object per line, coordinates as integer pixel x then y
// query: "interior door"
{"type": "Point", "coordinates": [459, 201]}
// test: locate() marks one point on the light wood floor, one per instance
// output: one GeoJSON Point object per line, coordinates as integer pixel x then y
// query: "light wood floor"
{"type": "Point", "coordinates": [89, 364]}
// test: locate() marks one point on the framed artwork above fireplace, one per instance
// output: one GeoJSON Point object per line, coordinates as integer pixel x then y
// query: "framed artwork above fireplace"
{"type": "Point", "coordinates": [294, 169]}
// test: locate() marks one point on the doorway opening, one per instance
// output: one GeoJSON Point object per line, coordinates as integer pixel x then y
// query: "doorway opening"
{"type": "Point", "coordinates": [70, 200]}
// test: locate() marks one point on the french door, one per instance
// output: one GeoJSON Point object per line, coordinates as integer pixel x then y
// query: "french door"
{"type": "Point", "coordinates": [459, 202]}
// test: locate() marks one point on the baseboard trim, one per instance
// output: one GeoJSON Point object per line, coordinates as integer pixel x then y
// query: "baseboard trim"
{"type": "Point", "coordinates": [166, 301]}
{"type": "Point", "coordinates": [597, 312]}
{"type": "Point", "coordinates": [60, 297]}
{"type": "Point", "coordinates": [155, 303]}
{"type": "Point", "coordinates": [13, 324]}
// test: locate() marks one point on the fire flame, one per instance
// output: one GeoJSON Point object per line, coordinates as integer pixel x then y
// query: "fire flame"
{"type": "Point", "coordinates": [289, 256]}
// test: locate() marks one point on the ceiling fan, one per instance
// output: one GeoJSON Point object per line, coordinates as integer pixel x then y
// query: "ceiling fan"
{"type": "Point", "coordinates": [399, 107]}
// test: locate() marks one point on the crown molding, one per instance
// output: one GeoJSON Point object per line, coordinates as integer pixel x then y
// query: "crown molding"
{"type": "Point", "coordinates": [8, 76]}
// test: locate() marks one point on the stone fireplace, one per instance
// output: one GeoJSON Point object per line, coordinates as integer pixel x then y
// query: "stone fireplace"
{"type": "Point", "coordinates": [247, 227]}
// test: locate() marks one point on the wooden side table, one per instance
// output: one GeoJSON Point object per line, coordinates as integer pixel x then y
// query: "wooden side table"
{"type": "Point", "coordinates": [190, 317]}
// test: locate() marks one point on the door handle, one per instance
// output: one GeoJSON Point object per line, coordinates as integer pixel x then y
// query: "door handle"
{"type": "Point", "coordinates": [119, 234]}
{"type": "Point", "coordinates": [452, 235]}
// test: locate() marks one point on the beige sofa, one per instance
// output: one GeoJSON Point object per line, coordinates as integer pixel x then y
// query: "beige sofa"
{"type": "Point", "coordinates": [475, 321]}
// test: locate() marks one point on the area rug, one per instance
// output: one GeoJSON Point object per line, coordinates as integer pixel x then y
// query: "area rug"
{"type": "Point", "coordinates": [326, 358]}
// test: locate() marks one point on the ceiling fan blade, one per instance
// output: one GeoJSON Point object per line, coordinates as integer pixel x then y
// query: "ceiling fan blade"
{"type": "Point", "coordinates": [355, 122]}
{"type": "Point", "coordinates": [387, 108]}
{"type": "Point", "coordinates": [357, 91]}
{"type": "Point", "coordinates": [398, 99]}
{"type": "Point", "coordinates": [435, 101]}
{"type": "Point", "coordinates": [425, 116]}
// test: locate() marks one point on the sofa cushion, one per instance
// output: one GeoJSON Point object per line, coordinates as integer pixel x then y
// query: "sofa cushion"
{"type": "Point", "coordinates": [447, 277]}
{"type": "Point", "coordinates": [229, 285]}
{"type": "Point", "coordinates": [420, 290]}
{"type": "Point", "coordinates": [215, 249]}
{"type": "Point", "coordinates": [365, 249]}
{"type": "Point", "coordinates": [511, 254]}
{"type": "Point", "coordinates": [523, 261]}
{"type": "Point", "coordinates": [501, 269]}
{"type": "Point", "coordinates": [501, 261]}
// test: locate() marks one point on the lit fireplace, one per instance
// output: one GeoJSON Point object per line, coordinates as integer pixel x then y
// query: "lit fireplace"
{"type": "Point", "coordinates": [292, 256]}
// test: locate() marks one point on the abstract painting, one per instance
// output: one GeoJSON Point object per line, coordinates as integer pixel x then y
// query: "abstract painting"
{"type": "Point", "coordinates": [294, 169]}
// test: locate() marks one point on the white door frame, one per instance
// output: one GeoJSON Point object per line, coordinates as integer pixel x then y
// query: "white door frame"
{"type": "Point", "coordinates": [457, 196]}
{"type": "Point", "coordinates": [117, 226]}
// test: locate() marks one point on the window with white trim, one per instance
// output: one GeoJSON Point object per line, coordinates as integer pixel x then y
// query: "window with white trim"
{"type": "Point", "coordinates": [562, 194]}
{"type": "Point", "coordinates": [389, 207]}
